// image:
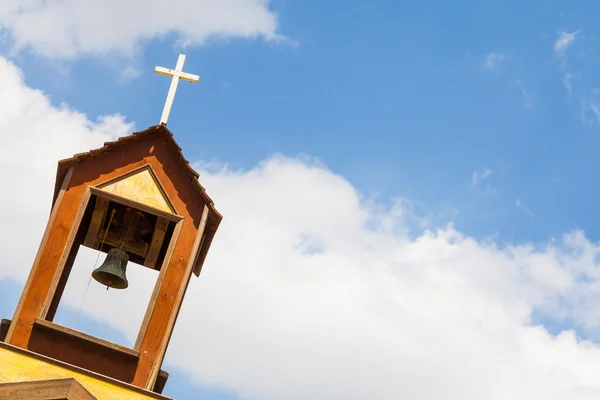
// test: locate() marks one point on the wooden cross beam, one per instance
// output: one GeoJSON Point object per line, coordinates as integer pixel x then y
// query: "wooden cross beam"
{"type": "Point", "coordinates": [176, 74]}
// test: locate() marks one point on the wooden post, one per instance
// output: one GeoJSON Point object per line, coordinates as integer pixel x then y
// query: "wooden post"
{"type": "Point", "coordinates": [160, 326]}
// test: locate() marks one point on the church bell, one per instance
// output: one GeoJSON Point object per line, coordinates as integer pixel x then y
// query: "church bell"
{"type": "Point", "coordinates": [112, 271]}
{"type": "Point", "coordinates": [128, 225]}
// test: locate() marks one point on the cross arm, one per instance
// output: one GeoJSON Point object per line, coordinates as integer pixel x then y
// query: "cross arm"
{"type": "Point", "coordinates": [182, 75]}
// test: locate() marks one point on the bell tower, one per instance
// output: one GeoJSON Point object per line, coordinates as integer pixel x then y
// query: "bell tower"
{"type": "Point", "coordinates": [134, 199]}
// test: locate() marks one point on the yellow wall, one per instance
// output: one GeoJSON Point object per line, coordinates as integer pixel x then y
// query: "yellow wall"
{"type": "Point", "coordinates": [18, 366]}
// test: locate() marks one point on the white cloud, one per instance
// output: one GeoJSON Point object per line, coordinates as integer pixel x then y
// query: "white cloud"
{"type": "Point", "coordinates": [523, 207]}
{"type": "Point", "coordinates": [526, 94]}
{"type": "Point", "coordinates": [130, 73]}
{"type": "Point", "coordinates": [69, 28]}
{"type": "Point", "coordinates": [567, 82]}
{"type": "Point", "coordinates": [492, 60]}
{"type": "Point", "coordinates": [479, 176]}
{"type": "Point", "coordinates": [589, 111]}
{"type": "Point", "coordinates": [564, 41]}
{"type": "Point", "coordinates": [569, 78]}
{"type": "Point", "coordinates": [310, 291]}
{"type": "Point", "coordinates": [595, 107]}
{"type": "Point", "coordinates": [34, 136]}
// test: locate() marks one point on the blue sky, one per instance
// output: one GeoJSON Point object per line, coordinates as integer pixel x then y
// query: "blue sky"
{"type": "Point", "coordinates": [485, 115]}
{"type": "Point", "coordinates": [395, 97]}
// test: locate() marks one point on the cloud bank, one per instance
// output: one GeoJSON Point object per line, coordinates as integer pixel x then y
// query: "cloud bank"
{"type": "Point", "coordinates": [312, 291]}
{"type": "Point", "coordinates": [34, 136]}
{"type": "Point", "coordinates": [70, 28]}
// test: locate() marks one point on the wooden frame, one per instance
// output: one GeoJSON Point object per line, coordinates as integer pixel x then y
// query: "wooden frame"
{"type": "Point", "coordinates": [99, 193]}
{"type": "Point", "coordinates": [83, 179]}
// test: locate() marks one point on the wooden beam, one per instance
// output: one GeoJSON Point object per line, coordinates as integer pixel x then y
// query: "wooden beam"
{"type": "Point", "coordinates": [158, 286]}
{"type": "Point", "coordinates": [158, 237]}
{"type": "Point", "coordinates": [113, 238]}
{"type": "Point", "coordinates": [68, 266]}
{"type": "Point", "coordinates": [65, 254]}
{"type": "Point", "coordinates": [171, 73]}
{"type": "Point", "coordinates": [98, 218]}
{"type": "Point", "coordinates": [83, 336]}
{"type": "Point", "coordinates": [36, 262]}
{"type": "Point", "coordinates": [178, 301]}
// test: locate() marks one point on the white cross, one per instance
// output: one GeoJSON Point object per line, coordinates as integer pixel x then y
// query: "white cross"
{"type": "Point", "coordinates": [176, 73]}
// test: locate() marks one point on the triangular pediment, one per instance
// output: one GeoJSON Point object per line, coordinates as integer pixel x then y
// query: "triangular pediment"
{"type": "Point", "coordinates": [141, 186]}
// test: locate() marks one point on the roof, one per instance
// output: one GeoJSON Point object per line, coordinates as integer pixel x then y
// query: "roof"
{"type": "Point", "coordinates": [214, 217]}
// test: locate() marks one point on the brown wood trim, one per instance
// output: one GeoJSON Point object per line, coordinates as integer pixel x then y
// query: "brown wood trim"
{"type": "Point", "coordinates": [65, 254]}
{"type": "Point", "coordinates": [177, 303]}
{"type": "Point", "coordinates": [158, 285]}
{"type": "Point", "coordinates": [38, 256]}
{"type": "Point", "coordinates": [101, 342]}
{"type": "Point", "coordinates": [78, 392]}
{"type": "Point", "coordinates": [53, 389]}
{"type": "Point", "coordinates": [71, 367]}
{"type": "Point", "coordinates": [161, 382]}
{"type": "Point", "coordinates": [98, 218]}
{"type": "Point", "coordinates": [135, 171]}
{"type": "Point", "coordinates": [4, 325]}
{"type": "Point", "coordinates": [143, 207]}
{"type": "Point", "coordinates": [156, 243]}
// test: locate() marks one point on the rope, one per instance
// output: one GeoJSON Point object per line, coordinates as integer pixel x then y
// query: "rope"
{"type": "Point", "coordinates": [95, 264]}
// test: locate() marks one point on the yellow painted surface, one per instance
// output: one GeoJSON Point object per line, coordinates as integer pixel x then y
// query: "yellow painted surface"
{"type": "Point", "coordinates": [140, 187]}
{"type": "Point", "coordinates": [18, 367]}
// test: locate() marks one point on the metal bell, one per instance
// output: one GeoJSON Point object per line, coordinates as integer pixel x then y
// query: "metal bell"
{"type": "Point", "coordinates": [112, 272]}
